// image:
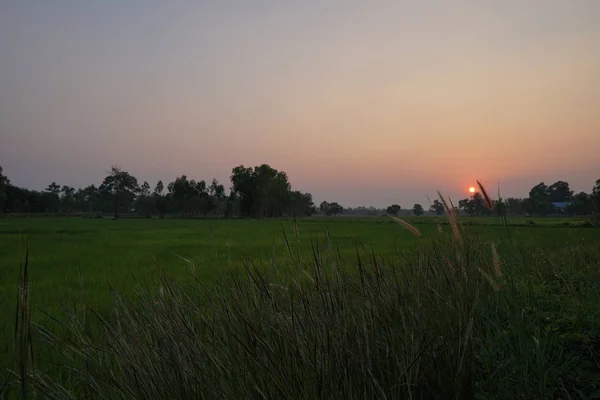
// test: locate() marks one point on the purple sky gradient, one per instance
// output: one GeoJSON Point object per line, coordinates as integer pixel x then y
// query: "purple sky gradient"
{"type": "Point", "coordinates": [364, 103]}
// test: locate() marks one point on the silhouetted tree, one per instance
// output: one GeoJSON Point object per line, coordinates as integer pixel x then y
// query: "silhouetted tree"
{"type": "Point", "coordinates": [53, 197]}
{"type": "Point", "coordinates": [560, 192]}
{"type": "Point", "coordinates": [500, 207]}
{"type": "Point", "coordinates": [67, 199]}
{"type": "Point", "coordinates": [514, 206]}
{"type": "Point", "coordinates": [121, 187]}
{"type": "Point", "coordinates": [300, 204]}
{"type": "Point", "coordinates": [437, 207]}
{"type": "Point", "coordinates": [581, 204]}
{"type": "Point", "coordinates": [262, 191]}
{"type": "Point", "coordinates": [159, 188]}
{"type": "Point", "coordinates": [418, 210]}
{"type": "Point", "coordinates": [539, 200]}
{"type": "Point", "coordinates": [330, 208]}
{"type": "Point", "coordinates": [394, 209]}
{"type": "Point", "coordinates": [596, 197]}
{"type": "Point", "coordinates": [4, 183]}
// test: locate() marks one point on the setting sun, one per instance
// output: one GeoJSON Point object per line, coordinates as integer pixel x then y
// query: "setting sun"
{"type": "Point", "coordinates": [472, 189]}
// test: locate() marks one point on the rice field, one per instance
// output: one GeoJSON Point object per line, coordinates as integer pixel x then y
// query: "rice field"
{"type": "Point", "coordinates": [522, 319]}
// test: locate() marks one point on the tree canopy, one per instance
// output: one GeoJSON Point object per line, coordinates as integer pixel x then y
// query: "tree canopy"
{"type": "Point", "coordinates": [394, 209]}
{"type": "Point", "coordinates": [257, 192]}
{"type": "Point", "coordinates": [437, 207]}
{"type": "Point", "coordinates": [418, 210]}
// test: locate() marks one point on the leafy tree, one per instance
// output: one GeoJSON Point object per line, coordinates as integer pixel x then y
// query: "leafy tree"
{"type": "Point", "coordinates": [53, 188]}
{"type": "Point", "coordinates": [159, 188]}
{"type": "Point", "coordinates": [243, 188]}
{"type": "Point", "coordinates": [216, 190]}
{"type": "Point", "coordinates": [335, 208]}
{"type": "Point", "coordinates": [582, 204]}
{"type": "Point", "coordinates": [121, 187]}
{"type": "Point", "coordinates": [144, 203]}
{"type": "Point", "coordinates": [272, 191]}
{"type": "Point", "coordinates": [596, 197]}
{"type": "Point", "coordinates": [182, 191]}
{"type": "Point", "coordinates": [301, 204]}
{"type": "Point", "coordinates": [232, 205]}
{"type": "Point", "coordinates": [4, 183]}
{"type": "Point", "coordinates": [67, 199]}
{"type": "Point", "coordinates": [159, 199]}
{"type": "Point", "coordinates": [324, 207]}
{"type": "Point", "coordinates": [560, 192]}
{"type": "Point", "coordinates": [514, 206]}
{"type": "Point", "coordinates": [500, 207]}
{"type": "Point", "coordinates": [191, 197]}
{"type": "Point", "coordinates": [539, 199]}
{"type": "Point", "coordinates": [394, 209]}
{"type": "Point", "coordinates": [330, 208]}
{"type": "Point", "coordinates": [144, 189]}
{"type": "Point", "coordinates": [161, 207]}
{"type": "Point", "coordinates": [418, 210]}
{"type": "Point", "coordinates": [91, 199]}
{"type": "Point", "coordinates": [53, 198]}
{"type": "Point", "coordinates": [262, 191]}
{"type": "Point", "coordinates": [437, 207]}
{"type": "Point", "coordinates": [467, 206]}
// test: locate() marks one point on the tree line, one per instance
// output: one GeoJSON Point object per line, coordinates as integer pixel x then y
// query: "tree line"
{"type": "Point", "coordinates": [259, 192]}
{"type": "Point", "coordinates": [542, 200]}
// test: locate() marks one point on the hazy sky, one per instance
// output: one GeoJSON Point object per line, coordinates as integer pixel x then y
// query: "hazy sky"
{"type": "Point", "coordinates": [360, 102]}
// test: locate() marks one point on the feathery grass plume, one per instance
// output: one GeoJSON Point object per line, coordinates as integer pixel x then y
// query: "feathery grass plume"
{"type": "Point", "coordinates": [429, 200]}
{"type": "Point", "coordinates": [486, 198]}
{"type": "Point", "coordinates": [190, 263]}
{"type": "Point", "coordinates": [308, 275]}
{"type": "Point", "coordinates": [280, 287]}
{"type": "Point", "coordinates": [23, 327]}
{"type": "Point", "coordinates": [296, 231]}
{"type": "Point", "coordinates": [452, 217]}
{"type": "Point", "coordinates": [490, 280]}
{"type": "Point", "coordinates": [408, 226]}
{"type": "Point", "coordinates": [496, 261]}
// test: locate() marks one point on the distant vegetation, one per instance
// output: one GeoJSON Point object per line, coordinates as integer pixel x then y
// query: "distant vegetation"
{"type": "Point", "coordinates": [259, 192]}
{"type": "Point", "coordinates": [436, 307]}
{"type": "Point", "coordinates": [313, 308]}
{"type": "Point", "coordinates": [542, 201]}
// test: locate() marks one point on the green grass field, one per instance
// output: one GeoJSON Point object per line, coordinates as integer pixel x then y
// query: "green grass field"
{"type": "Point", "coordinates": [554, 262]}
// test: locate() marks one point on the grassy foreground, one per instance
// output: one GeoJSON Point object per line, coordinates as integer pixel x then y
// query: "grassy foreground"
{"type": "Point", "coordinates": [319, 309]}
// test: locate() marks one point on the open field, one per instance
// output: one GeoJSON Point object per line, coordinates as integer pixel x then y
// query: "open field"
{"type": "Point", "coordinates": [552, 268]}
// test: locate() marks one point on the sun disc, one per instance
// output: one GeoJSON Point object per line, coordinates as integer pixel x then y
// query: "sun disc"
{"type": "Point", "coordinates": [472, 189]}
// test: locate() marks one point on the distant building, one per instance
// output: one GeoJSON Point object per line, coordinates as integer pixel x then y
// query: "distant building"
{"type": "Point", "coordinates": [561, 206]}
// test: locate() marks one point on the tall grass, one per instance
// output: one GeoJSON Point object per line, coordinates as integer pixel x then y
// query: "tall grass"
{"type": "Point", "coordinates": [456, 318]}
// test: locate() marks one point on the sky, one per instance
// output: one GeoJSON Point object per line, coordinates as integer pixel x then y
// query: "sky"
{"type": "Point", "coordinates": [363, 103]}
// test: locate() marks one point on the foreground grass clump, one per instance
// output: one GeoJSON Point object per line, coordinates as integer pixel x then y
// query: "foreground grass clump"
{"type": "Point", "coordinates": [453, 318]}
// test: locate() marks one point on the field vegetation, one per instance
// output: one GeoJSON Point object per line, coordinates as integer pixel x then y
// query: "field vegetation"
{"type": "Point", "coordinates": [262, 301]}
{"type": "Point", "coordinates": [312, 308]}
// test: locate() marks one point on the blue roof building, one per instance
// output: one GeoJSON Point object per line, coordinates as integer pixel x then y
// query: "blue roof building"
{"type": "Point", "coordinates": [561, 206]}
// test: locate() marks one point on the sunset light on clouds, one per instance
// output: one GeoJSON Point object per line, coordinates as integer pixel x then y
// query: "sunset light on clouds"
{"type": "Point", "coordinates": [366, 103]}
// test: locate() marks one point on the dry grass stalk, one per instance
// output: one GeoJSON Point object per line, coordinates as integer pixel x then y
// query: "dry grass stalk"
{"type": "Point", "coordinates": [490, 280]}
{"type": "Point", "coordinates": [408, 226]}
{"type": "Point", "coordinates": [281, 287]}
{"type": "Point", "coordinates": [496, 261]}
{"type": "Point", "coordinates": [308, 275]}
{"type": "Point", "coordinates": [486, 198]}
{"type": "Point", "coordinates": [452, 217]}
